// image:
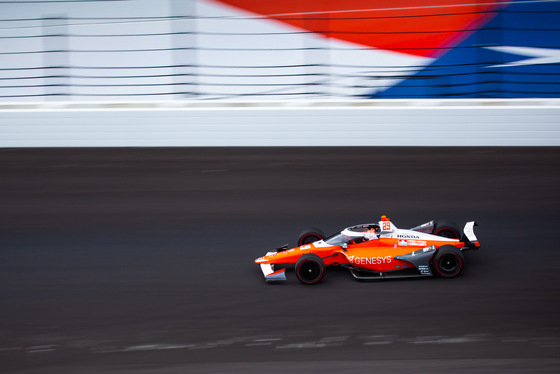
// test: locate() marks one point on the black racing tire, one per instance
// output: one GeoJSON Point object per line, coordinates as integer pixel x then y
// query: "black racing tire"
{"type": "Point", "coordinates": [310, 236]}
{"type": "Point", "coordinates": [446, 229]}
{"type": "Point", "coordinates": [448, 261]}
{"type": "Point", "coordinates": [310, 269]}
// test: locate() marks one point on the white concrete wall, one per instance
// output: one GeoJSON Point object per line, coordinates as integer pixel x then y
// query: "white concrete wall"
{"type": "Point", "coordinates": [295, 123]}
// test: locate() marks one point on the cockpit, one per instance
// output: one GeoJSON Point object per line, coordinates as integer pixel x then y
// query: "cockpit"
{"type": "Point", "coordinates": [355, 235]}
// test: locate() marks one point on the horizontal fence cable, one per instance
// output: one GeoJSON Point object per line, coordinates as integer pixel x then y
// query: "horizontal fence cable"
{"type": "Point", "coordinates": [22, 37]}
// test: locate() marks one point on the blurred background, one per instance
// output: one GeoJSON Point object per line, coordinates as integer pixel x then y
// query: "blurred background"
{"type": "Point", "coordinates": [210, 49]}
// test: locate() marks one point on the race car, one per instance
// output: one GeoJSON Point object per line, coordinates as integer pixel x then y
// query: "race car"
{"type": "Point", "coordinates": [375, 251]}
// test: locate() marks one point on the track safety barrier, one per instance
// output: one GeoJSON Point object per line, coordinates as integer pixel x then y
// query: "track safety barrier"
{"type": "Point", "coordinates": [438, 122]}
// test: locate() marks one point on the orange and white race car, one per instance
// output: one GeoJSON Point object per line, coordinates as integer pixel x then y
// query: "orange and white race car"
{"type": "Point", "coordinates": [375, 251]}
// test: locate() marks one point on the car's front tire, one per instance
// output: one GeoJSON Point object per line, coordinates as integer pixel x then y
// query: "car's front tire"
{"type": "Point", "coordinates": [310, 269]}
{"type": "Point", "coordinates": [448, 261]}
{"type": "Point", "coordinates": [310, 236]}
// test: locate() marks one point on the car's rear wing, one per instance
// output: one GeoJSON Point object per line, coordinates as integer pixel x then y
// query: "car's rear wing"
{"type": "Point", "coordinates": [469, 238]}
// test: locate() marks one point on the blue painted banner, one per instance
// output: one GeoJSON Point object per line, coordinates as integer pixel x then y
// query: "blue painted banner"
{"type": "Point", "coordinates": [515, 55]}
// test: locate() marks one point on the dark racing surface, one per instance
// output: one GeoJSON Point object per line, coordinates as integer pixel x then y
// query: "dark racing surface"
{"type": "Point", "coordinates": [141, 261]}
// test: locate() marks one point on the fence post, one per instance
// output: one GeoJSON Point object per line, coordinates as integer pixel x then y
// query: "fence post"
{"type": "Point", "coordinates": [56, 57]}
{"type": "Point", "coordinates": [183, 26]}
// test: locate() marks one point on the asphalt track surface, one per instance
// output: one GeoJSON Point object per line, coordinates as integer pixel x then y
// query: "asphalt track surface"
{"type": "Point", "coordinates": [141, 261]}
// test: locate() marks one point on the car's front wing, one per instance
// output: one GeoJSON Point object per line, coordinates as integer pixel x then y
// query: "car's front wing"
{"type": "Point", "coordinates": [273, 276]}
{"type": "Point", "coordinates": [270, 275]}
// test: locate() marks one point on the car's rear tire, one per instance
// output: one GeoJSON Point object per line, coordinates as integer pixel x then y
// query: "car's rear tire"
{"type": "Point", "coordinates": [310, 269]}
{"type": "Point", "coordinates": [310, 236]}
{"type": "Point", "coordinates": [448, 261]}
{"type": "Point", "coordinates": [446, 229]}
